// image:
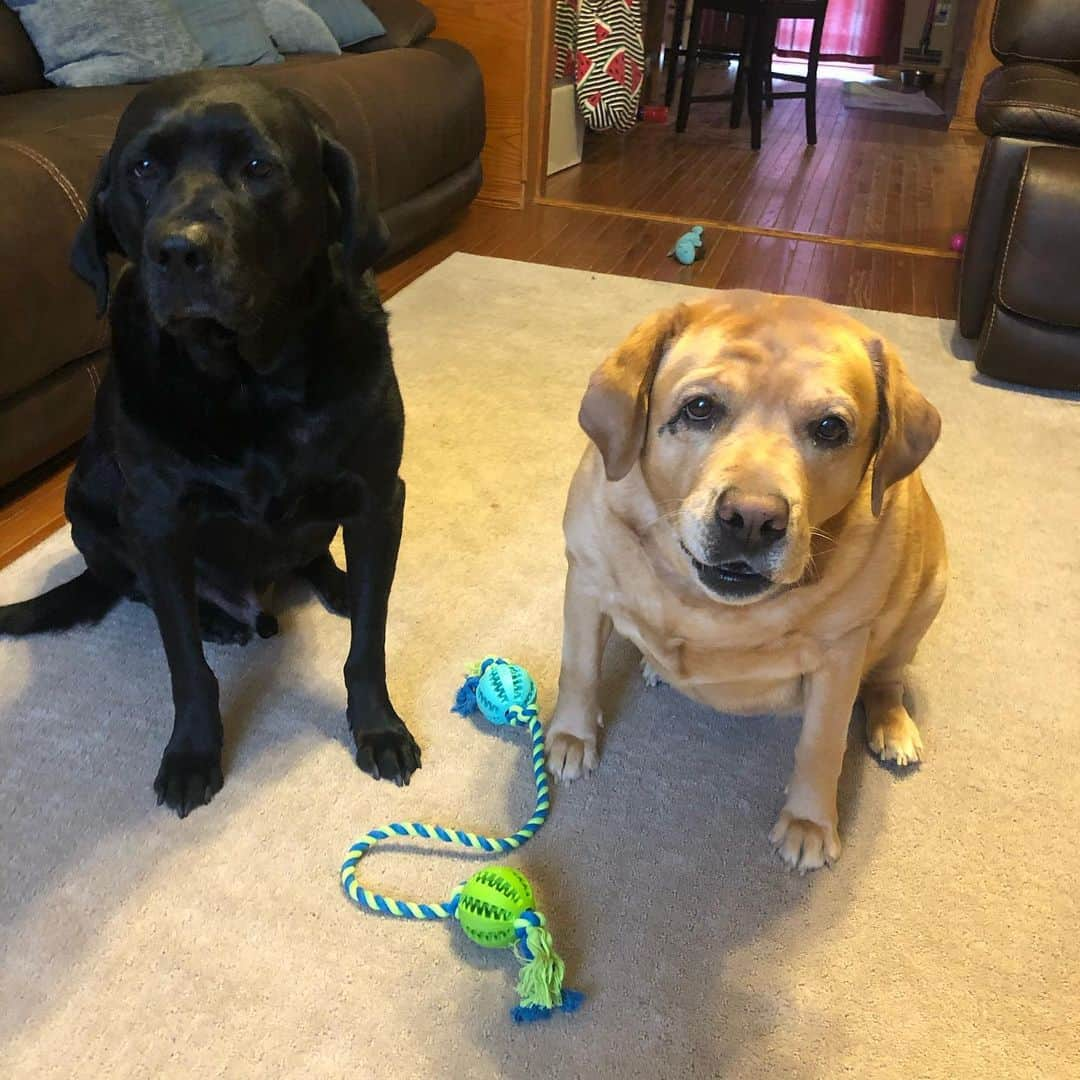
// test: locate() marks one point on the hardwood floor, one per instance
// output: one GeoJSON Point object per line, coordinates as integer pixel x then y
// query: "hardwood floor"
{"type": "Point", "coordinates": [604, 241]}
{"type": "Point", "coordinates": [873, 177]}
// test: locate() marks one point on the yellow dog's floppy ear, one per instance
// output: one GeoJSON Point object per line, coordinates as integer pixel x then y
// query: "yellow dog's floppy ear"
{"type": "Point", "coordinates": [615, 408]}
{"type": "Point", "coordinates": [908, 425]}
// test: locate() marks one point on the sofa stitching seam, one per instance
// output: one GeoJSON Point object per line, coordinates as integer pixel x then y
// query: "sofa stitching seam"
{"type": "Point", "coordinates": [999, 290]}
{"type": "Point", "coordinates": [1039, 106]}
{"type": "Point", "coordinates": [1074, 83]}
{"type": "Point", "coordinates": [983, 165]}
{"type": "Point", "coordinates": [53, 170]}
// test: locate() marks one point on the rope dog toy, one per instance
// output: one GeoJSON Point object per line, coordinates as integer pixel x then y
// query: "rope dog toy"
{"type": "Point", "coordinates": [495, 907]}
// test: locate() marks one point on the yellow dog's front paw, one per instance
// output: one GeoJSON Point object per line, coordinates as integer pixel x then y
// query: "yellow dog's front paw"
{"type": "Point", "coordinates": [893, 736]}
{"type": "Point", "coordinates": [570, 756]}
{"type": "Point", "coordinates": [804, 845]}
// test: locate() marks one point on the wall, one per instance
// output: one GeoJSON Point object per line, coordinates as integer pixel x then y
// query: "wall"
{"type": "Point", "coordinates": [978, 62]}
{"type": "Point", "coordinates": [499, 33]}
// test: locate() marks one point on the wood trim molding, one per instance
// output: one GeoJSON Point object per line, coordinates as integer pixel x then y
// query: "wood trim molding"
{"type": "Point", "coordinates": [979, 63]}
{"type": "Point", "coordinates": [541, 76]}
{"type": "Point", "coordinates": [498, 35]}
{"type": "Point", "coordinates": [755, 230]}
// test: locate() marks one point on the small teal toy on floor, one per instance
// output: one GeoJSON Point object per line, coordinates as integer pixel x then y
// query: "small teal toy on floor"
{"type": "Point", "coordinates": [495, 907]}
{"type": "Point", "coordinates": [686, 247]}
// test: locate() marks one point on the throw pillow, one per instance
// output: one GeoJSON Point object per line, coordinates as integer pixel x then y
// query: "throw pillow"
{"type": "Point", "coordinates": [295, 28]}
{"type": "Point", "coordinates": [350, 21]}
{"type": "Point", "coordinates": [231, 32]}
{"type": "Point", "coordinates": [103, 42]}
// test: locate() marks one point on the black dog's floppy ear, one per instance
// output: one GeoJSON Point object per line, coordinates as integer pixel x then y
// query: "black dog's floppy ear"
{"type": "Point", "coordinates": [363, 232]}
{"type": "Point", "coordinates": [95, 239]}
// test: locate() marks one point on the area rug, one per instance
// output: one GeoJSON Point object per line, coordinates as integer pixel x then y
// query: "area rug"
{"type": "Point", "coordinates": [884, 97]}
{"type": "Point", "coordinates": [943, 944]}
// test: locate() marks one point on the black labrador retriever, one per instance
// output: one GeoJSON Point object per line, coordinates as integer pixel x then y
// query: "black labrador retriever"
{"type": "Point", "coordinates": [250, 408]}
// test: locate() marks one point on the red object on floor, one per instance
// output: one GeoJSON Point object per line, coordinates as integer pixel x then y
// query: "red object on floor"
{"type": "Point", "coordinates": [655, 114]}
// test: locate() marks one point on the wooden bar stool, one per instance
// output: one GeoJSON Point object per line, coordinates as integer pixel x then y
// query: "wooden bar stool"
{"type": "Point", "coordinates": [674, 50]}
{"type": "Point", "coordinates": [755, 64]}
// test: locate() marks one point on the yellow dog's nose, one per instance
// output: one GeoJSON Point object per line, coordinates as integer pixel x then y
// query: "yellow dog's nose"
{"type": "Point", "coordinates": [753, 520]}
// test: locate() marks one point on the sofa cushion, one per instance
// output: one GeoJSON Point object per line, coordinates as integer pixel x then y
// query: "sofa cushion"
{"type": "Point", "coordinates": [350, 21]}
{"type": "Point", "coordinates": [1030, 101]}
{"type": "Point", "coordinates": [1038, 257]}
{"type": "Point", "coordinates": [407, 22]}
{"type": "Point", "coordinates": [47, 313]}
{"type": "Point", "coordinates": [231, 32]}
{"type": "Point", "coordinates": [295, 28]}
{"type": "Point", "coordinates": [20, 65]}
{"type": "Point", "coordinates": [1046, 31]}
{"type": "Point", "coordinates": [102, 42]}
{"type": "Point", "coordinates": [1029, 352]}
{"type": "Point", "coordinates": [425, 108]}
{"type": "Point", "coordinates": [40, 111]}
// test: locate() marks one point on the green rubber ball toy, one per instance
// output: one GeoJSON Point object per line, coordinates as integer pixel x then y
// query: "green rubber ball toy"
{"type": "Point", "coordinates": [489, 904]}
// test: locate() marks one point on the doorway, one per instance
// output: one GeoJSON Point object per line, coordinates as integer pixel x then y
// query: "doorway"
{"type": "Point", "coordinates": [885, 171]}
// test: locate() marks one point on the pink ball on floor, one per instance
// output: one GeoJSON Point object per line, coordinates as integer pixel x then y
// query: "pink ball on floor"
{"type": "Point", "coordinates": [957, 241]}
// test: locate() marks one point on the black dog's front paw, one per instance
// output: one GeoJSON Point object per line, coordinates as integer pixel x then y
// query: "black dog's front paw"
{"type": "Point", "coordinates": [385, 749]}
{"type": "Point", "coordinates": [188, 779]}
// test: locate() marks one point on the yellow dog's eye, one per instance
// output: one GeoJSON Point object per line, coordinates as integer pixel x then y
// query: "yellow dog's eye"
{"type": "Point", "coordinates": [830, 430]}
{"type": "Point", "coordinates": [700, 409]}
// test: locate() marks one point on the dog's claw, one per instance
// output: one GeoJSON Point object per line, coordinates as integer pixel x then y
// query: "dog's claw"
{"type": "Point", "coordinates": [571, 757]}
{"type": "Point", "coordinates": [893, 736]}
{"type": "Point", "coordinates": [804, 845]}
{"type": "Point", "coordinates": [188, 779]}
{"type": "Point", "coordinates": [387, 754]}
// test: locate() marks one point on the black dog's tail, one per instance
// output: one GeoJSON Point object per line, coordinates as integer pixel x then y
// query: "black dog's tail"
{"type": "Point", "coordinates": [79, 602]}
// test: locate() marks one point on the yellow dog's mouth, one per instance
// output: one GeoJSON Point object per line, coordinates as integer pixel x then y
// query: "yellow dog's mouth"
{"type": "Point", "coordinates": [732, 579]}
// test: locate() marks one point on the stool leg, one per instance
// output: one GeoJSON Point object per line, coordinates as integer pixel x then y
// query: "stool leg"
{"type": "Point", "coordinates": [756, 81]}
{"type": "Point", "coordinates": [811, 81]}
{"type": "Point", "coordinates": [671, 58]}
{"type": "Point", "coordinates": [773, 24]}
{"type": "Point", "coordinates": [686, 93]}
{"type": "Point", "coordinates": [738, 94]}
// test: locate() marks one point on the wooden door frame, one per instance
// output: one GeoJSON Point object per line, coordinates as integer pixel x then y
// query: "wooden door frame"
{"type": "Point", "coordinates": [978, 63]}
{"type": "Point", "coordinates": [541, 60]}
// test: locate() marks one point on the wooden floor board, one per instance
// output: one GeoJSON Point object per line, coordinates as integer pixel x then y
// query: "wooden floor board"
{"type": "Point", "coordinates": [873, 176]}
{"type": "Point", "coordinates": [604, 241]}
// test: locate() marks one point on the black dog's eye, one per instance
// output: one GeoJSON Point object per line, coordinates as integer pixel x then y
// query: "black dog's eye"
{"type": "Point", "coordinates": [830, 430]}
{"type": "Point", "coordinates": [258, 168]}
{"type": "Point", "coordinates": [146, 169]}
{"type": "Point", "coordinates": [700, 409]}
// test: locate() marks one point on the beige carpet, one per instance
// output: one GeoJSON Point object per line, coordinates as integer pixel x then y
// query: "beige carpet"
{"type": "Point", "coordinates": [944, 943]}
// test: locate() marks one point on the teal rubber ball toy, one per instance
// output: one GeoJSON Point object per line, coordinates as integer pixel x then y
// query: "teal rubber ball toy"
{"type": "Point", "coordinates": [501, 687]}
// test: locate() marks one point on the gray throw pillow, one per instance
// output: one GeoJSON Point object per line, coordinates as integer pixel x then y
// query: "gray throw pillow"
{"type": "Point", "coordinates": [103, 42]}
{"type": "Point", "coordinates": [295, 28]}
{"type": "Point", "coordinates": [350, 21]}
{"type": "Point", "coordinates": [231, 32]}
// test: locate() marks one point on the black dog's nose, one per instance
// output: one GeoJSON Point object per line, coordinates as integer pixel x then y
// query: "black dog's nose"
{"type": "Point", "coordinates": [755, 521]}
{"type": "Point", "coordinates": [186, 248]}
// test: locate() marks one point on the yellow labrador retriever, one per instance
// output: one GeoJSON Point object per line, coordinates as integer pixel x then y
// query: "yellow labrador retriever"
{"type": "Point", "coordinates": [749, 514]}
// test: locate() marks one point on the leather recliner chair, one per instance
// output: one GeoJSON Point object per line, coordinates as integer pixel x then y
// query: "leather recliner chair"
{"type": "Point", "coordinates": [1019, 291]}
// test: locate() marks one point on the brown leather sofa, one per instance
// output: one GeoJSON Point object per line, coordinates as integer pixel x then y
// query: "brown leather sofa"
{"type": "Point", "coordinates": [410, 108]}
{"type": "Point", "coordinates": [1018, 289]}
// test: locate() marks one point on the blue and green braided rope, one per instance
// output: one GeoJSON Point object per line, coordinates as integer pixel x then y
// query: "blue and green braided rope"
{"type": "Point", "coordinates": [527, 715]}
